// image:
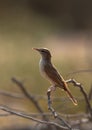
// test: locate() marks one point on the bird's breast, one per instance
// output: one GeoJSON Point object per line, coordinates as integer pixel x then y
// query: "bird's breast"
{"type": "Point", "coordinates": [42, 65]}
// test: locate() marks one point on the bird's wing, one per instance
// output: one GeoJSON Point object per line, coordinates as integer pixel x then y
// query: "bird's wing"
{"type": "Point", "coordinates": [58, 80]}
{"type": "Point", "coordinates": [53, 74]}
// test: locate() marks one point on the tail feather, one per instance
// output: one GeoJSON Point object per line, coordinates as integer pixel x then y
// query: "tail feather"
{"type": "Point", "coordinates": [69, 94]}
{"type": "Point", "coordinates": [71, 97]}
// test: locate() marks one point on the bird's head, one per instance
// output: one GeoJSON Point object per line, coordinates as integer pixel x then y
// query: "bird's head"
{"type": "Point", "coordinates": [45, 53]}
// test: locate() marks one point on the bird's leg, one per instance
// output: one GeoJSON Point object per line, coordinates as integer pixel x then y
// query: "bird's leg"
{"type": "Point", "coordinates": [51, 89]}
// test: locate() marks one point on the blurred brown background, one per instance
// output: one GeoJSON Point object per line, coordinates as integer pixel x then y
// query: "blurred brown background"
{"type": "Point", "coordinates": [63, 26]}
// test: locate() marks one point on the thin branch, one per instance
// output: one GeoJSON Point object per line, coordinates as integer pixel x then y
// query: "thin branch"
{"type": "Point", "coordinates": [13, 95]}
{"type": "Point", "coordinates": [50, 114]}
{"type": "Point", "coordinates": [64, 122]}
{"type": "Point", "coordinates": [29, 96]}
{"type": "Point", "coordinates": [90, 93]}
{"type": "Point", "coordinates": [57, 98]}
{"type": "Point", "coordinates": [59, 118]}
{"type": "Point", "coordinates": [50, 90]}
{"type": "Point", "coordinates": [80, 71]}
{"type": "Point", "coordinates": [38, 97]}
{"type": "Point", "coordinates": [75, 83]}
{"type": "Point", "coordinates": [89, 97]}
{"type": "Point", "coordinates": [23, 115]}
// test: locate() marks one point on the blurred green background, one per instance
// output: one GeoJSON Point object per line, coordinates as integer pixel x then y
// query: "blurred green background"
{"type": "Point", "coordinates": [65, 27]}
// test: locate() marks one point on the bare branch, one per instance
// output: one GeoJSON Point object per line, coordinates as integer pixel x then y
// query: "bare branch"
{"type": "Point", "coordinates": [38, 97]}
{"type": "Point", "coordinates": [29, 96]}
{"type": "Point", "coordinates": [80, 71]}
{"type": "Point", "coordinates": [59, 118]}
{"type": "Point", "coordinates": [89, 97]}
{"type": "Point", "coordinates": [13, 95]}
{"type": "Point", "coordinates": [75, 83]}
{"type": "Point", "coordinates": [90, 93]}
{"type": "Point", "coordinates": [50, 90]}
{"type": "Point", "coordinates": [27, 116]}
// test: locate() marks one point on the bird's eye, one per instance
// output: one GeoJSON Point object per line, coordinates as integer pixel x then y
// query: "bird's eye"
{"type": "Point", "coordinates": [43, 51]}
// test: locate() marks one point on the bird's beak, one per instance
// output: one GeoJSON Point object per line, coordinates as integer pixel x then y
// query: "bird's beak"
{"type": "Point", "coordinates": [37, 49]}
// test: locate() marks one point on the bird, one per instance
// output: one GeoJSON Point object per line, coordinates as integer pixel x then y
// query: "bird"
{"type": "Point", "coordinates": [49, 72]}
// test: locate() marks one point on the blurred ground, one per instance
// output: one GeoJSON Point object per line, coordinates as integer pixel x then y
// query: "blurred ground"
{"type": "Point", "coordinates": [22, 28]}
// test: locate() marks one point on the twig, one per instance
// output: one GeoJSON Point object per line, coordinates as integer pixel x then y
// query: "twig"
{"type": "Point", "coordinates": [38, 97]}
{"type": "Point", "coordinates": [50, 115]}
{"type": "Point", "coordinates": [80, 71]}
{"type": "Point", "coordinates": [56, 99]}
{"type": "Point", "coordinates": [50, 90]}
{"type": "Point", "coordinates": [27, 116]}
{"type": "Point", "coordinates": [75, 83]}
{"type": "Point", "coordinates": [59, 118]}
{"type": "Point", "coordinates": [13, 95]}
{"type": "Point", "coordinates": [64, 122]}
{"type": "Point", "coordinates": [89, 97]}
{"type": "Point", "coordinates": [29, 96]}
{"type": "Point", "coordinates": [90, 93]}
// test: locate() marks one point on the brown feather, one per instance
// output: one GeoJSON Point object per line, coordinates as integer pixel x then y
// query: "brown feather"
{"type": "Point", "coordinates": [58, 80]}
{"type": "Point", "coordinates": [52, 73]}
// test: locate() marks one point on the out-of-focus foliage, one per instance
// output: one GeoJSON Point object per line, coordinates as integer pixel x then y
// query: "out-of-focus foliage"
{"type": "Point", "coordinates": [71, 14]}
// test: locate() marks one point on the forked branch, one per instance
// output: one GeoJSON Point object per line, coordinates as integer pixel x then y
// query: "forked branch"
{"type": "Point", "coordinates": [29, 96]}
{"type": "Point", "coordinates": [27, 116]}
{"type": "Point", "coordinates": [75, 83]}
{"type": "Point", "coordinates": [50, 90]}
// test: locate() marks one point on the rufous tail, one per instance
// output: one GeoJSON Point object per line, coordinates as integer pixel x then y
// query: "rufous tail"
{"type": "Point", "coordinates": [71, 97]}
{"type": "Point", "coordinates": [69, 94]}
